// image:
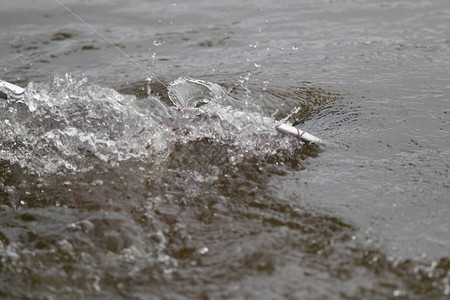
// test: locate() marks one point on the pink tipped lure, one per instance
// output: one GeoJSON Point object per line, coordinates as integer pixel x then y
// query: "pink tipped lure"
{"type": "Point", "coordinates": [300, 134]}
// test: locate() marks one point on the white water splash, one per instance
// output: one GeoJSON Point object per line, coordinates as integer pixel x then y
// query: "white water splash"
{"type": "Point", "coordinates": [62, 125]}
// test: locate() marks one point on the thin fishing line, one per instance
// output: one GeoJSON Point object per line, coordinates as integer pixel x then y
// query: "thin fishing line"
{"type": "Point", "coordinates": [107, 40]}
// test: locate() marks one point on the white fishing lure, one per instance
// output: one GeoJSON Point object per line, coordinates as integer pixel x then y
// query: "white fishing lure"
{"type": "Point", "coordinates": [300, 134]}
{"type": "Point", "coordinates": [9, 87]}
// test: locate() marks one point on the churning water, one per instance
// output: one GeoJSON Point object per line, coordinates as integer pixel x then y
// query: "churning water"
{"type": "Point", "coordinates": [174, 184]}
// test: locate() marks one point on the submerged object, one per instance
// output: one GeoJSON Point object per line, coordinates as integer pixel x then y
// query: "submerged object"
{"type": "Point", "coordinates": [300, 134]}
{"type": "Point", "coordinates": [9, 89]}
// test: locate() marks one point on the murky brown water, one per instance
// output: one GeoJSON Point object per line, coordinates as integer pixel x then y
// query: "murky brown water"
{"type": "Point", "coordinates": [108, 192]}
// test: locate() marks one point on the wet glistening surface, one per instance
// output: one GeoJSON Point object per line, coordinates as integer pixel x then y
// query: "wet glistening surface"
{"type": "Point", "coordinates": [161, 175]}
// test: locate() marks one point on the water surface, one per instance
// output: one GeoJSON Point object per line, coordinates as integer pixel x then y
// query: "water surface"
{"type": "Point", "coordinates": [111, 188]}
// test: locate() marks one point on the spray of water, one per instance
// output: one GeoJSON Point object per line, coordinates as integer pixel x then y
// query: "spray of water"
{"type": "Point", "coordinates": [64, 124]}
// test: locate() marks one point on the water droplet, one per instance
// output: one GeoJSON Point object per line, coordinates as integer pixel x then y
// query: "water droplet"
{"type": "Point", "coordinates": [97, 182]}
{"type": "Point", "coordinates": [255, 45]}
{"type": "Point", "coordinates": [399, 293]}
{"type": "Point", "coordinates": [203, 250]}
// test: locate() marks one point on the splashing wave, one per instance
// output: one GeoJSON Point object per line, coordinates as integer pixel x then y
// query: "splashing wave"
{"type": "Point", "coordinates": [62, 125]}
